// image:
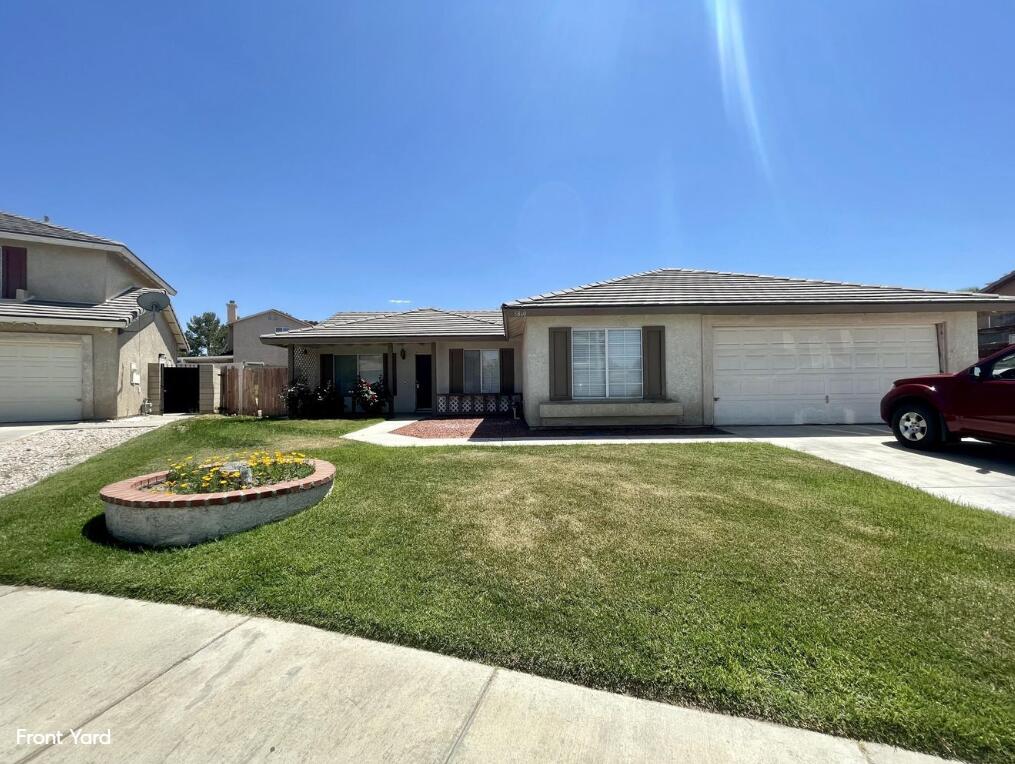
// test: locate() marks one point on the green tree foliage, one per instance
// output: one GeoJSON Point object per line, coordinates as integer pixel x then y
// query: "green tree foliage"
{"type": "Point", "coordinates": [207, 335]}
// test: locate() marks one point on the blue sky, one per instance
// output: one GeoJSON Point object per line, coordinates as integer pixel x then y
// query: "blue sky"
{"type": "Point", "coordinates": [318, 156]}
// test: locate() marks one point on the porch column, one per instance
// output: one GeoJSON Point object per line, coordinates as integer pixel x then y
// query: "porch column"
{"type": "Point", "coordinates": [433, 379]}
{"type": "Point", "coordinates": [389, 377]}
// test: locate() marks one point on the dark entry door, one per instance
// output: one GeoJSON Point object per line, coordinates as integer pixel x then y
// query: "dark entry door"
{"type": "Point", "coordinates": [424, 384]}
{"type": "Point", "coordinates": [180, 389]}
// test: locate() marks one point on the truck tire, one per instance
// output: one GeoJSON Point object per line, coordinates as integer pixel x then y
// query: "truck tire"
{"type": "Point", "coordinates": [917, 425]}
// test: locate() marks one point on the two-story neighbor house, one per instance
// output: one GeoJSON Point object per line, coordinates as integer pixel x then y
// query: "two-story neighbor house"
{"type": "Point", "coordinates": [245, 332]}
{"type": "Point", "coordinates": [74, 342]}
{"type": "Point", "coordinates": [666, 347]}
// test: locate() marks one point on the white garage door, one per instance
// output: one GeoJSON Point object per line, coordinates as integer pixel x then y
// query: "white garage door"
{"type": "Point", "coordinates": [793, 375]}
{"type": "Point", "coordinates": [40, 380]}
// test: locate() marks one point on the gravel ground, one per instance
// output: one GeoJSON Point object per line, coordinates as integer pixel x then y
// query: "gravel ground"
{"type": "Point", "coordinates": [29, 459]}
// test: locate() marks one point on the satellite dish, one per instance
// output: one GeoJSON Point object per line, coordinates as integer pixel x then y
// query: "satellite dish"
{"type": "Point", "coordinates": [153, 301]}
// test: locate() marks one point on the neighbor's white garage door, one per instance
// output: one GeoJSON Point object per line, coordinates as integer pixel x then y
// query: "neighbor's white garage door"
{"type": "Point", "coordinates": [793, 375]}
{"type": "Point", "coordinates": [40, 380]}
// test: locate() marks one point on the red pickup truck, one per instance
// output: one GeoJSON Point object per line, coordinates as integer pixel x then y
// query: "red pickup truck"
{"type": "Point", "coordinates": [978, 402]}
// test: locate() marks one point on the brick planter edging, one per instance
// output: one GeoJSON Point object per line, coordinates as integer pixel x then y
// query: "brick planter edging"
{"type": "Point", "coordinates": [138, 516]}
{"type": "Point", "coordinates": [131, 493]}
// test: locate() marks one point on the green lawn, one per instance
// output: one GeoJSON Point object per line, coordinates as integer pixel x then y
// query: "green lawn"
{"type": "Point", "coordinates": [738, 577]}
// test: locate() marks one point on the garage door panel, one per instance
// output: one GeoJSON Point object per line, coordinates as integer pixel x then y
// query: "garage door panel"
{"type": "Point", "coordinates": [40, 380]}
{"type": "Point", "coordinates": [814, 375]}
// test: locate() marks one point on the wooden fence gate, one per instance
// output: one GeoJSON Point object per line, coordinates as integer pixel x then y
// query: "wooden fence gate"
{"type": "Point", "coordinates": [249, 389]}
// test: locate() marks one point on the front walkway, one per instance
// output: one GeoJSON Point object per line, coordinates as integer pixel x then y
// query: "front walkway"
{"type": "Point", "coordinates": [171, 682]}
{"type": "Point", "coordinates": [976, 474]}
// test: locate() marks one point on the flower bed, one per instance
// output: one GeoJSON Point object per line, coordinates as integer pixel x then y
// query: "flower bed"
{"type": "Point", "coordinates": [141, 511]}
{"type": "Point", "coordinates": [242, 470]}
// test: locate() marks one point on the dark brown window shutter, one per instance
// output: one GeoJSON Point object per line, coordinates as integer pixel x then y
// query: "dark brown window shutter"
{"type": "Point", "coordinates": [653, 362]}
{"type": "Point", "coordinates": [327, 368]}
{"type": "Point", "coordinates": [507, 370]}
{"type": "Point", "coordinates": [15, 271]}
{"type": "Point", "coordinates": [560, 363]}
{"type": "Point", "coordinates": [456, 370]}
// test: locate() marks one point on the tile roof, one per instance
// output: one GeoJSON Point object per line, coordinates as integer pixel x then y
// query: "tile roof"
{"type": "Point", "coordinates": [122, 310]}
{"type": "Point", "coordinates": [685, 287]}
{"type": "Point", "coordinates": [420, 322]}
{"type": "Point", "coordinates": [17, 224]}
{"type": "Point", "coordinates": [995, 285]}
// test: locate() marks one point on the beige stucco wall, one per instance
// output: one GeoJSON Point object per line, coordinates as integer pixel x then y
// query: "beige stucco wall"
{"type": "Point", "coordinates": [79, 274]}
{"type": "Point", "coordinates": [682, 333]}
{"type": "Point", "coordinates": [688, 341]}
{"type": "Point", "coordinates": [247, 345]}
{"type": "Point", "coordinates": [138, 346]}
{"type": "Point", "coordinates": [76, 274]}
{"type": "Point", "coordinates": [405, 369]}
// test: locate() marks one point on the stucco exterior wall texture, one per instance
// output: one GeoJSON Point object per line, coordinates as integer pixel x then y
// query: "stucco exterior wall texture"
{"type": "Point", "coordinates": [84, 275]}
{"type": "Point", "coordinates": [689, 353]}
{"type": "Point", "coordinates": [76, 274]}
{"type": "Point", "coordinates": [138, 346]}
{"type": "Point", "coordinates": [247, 345]}
{"type": "Point", "coordinates": [405, 369]}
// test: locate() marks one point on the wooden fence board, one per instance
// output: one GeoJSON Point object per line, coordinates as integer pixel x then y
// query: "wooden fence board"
{"type": "Point", "coordinates": [247, 389]}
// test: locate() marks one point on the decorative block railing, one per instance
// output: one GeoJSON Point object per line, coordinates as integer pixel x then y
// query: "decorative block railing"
{"type": "Point", "coordinates": [478, 404]}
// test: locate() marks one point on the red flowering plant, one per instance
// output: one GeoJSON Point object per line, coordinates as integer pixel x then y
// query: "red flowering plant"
{"type": "Point", "coordinates": [371, 397]}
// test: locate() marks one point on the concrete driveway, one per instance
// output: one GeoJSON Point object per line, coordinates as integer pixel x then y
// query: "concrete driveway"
{"type": "Point", "coordinates": [972, 473]}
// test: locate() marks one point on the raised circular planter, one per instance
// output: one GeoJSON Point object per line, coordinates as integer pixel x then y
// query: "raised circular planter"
{"type": "Point", "coordinates": [139, 516]}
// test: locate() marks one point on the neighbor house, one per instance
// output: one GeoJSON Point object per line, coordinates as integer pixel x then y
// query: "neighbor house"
{"type": "Point", "coordinates": [997, 328]}
{"type": "Point", "coordinates": [245, 332]}
{"type": "Point", "coordinates": [666, 347]}
{"type": "Point", "coordinates": [74, 342]}
{"type": "Point", "coordinates": [243, 343]}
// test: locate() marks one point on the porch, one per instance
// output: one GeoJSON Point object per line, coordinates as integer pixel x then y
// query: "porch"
{"type": "Point", "coordinates": [447, 378]}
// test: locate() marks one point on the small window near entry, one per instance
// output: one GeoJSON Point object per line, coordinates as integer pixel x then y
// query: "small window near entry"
{"type": "Point", "coordinates": [371, 368]}
{"type": "Point", "coordinates": [482, 371]}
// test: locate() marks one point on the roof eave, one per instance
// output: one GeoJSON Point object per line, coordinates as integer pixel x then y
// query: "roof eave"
{"type": "Point", "coordinates": [765, 307]}
{"type": "Point", "coordinates": [289, 339]}
{"type": "Point", "coordinates": [107, 323]}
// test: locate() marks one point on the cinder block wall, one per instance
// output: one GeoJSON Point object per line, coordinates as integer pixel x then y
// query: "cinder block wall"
{"type": "Point", "coordinates": [207, 398]}
{"type": "Point", "coordinates": [155, 386]}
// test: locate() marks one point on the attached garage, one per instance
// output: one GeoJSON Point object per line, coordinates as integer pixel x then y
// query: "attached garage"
{"type": "Point", "coordinates": [815, 375]}
{"type": "Point", "coordinates": [41, 378]}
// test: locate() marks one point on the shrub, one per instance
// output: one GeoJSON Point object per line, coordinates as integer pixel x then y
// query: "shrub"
{"type": "Point", "coordinates": [371, 397]}
{"type": "Point", "coordinates": [305, 402]}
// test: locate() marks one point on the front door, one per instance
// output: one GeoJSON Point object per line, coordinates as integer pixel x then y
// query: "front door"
{"type": "Point", "coordinates": [424, 384]}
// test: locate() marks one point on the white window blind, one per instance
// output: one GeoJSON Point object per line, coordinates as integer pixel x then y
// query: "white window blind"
{"type": "Point", "coordinates": [606, 363]}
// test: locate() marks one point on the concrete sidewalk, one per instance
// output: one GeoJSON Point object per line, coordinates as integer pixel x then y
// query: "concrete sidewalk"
{"type": "Point", "coordinates": [382, 434]}
{"type": "Point", "coordinates": [170, 682]}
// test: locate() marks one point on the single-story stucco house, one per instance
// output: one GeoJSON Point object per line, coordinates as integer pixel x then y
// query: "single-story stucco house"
{"type": "Point", "coordinates": [74, 342]}
{"type": "Point", "coordinates": [665, 347]}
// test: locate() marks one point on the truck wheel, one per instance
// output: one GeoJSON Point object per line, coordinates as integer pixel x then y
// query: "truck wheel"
{"type": "Point", "coordinates": [917, 425]}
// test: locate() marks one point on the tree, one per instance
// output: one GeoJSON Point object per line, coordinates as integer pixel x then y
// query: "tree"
{"type": "Point", "coordinates": [207, 335]}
